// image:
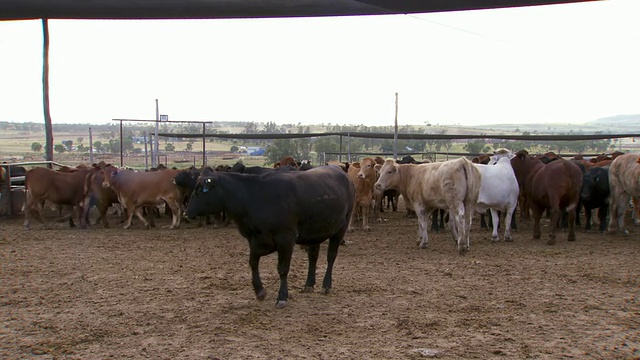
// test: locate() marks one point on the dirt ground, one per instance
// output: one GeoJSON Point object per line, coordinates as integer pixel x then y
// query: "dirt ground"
{"type": "Point", "coordinates": [186, 294]}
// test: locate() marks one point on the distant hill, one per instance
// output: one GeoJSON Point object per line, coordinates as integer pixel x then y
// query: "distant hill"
{"type": "Point", "coordinates": [623, 121]}
{"type": "Point", "coordinates": [618, 124]}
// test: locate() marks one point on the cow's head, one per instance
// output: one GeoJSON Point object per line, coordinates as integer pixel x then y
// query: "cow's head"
{"type": "Point", "coordinates": [367, 169]}
{"type": "Point", "coordinates": [389, 176]}
{"type": "Point", "coordinates": [110, 173]}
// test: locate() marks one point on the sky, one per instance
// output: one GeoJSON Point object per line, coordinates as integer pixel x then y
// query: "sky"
{"type": "Point", "coordinates": [569, 63]}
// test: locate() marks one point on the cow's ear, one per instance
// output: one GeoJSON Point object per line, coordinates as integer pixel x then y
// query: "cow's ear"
{"type": "Point", "coordinates": [377, 167]}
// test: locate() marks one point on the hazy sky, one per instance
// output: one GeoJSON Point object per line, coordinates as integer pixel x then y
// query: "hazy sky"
{"type": "Point", "coordinates": [568, 63]}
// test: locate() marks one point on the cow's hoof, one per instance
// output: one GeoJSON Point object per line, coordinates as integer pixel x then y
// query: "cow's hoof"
{"type": "Point", "coordinates": [422, 246]}
{"type": "Point", "coordinates": [307, 289]}
{"type": "Point", "coordinates": [551, 241]}
{"type": "Point", "coordinates": [571, 237]}
{"type": "Point", "coordinates": [325, 291]}
{"type": "Point", "coordinates": [508, 239]}
{"type": "Point", "coordinates": [26, 227]}
{"type": "Point", "coordinates": [281, 304]}
{"type": "Point", "coordinates": [260, 295]}
{"type": "Point", "coordinates": [463, 250]}
{"type": "Point", "coordinates": [495, 239]}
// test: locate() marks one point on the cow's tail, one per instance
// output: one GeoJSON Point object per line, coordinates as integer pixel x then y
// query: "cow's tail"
{"type": "Point", "coordinates": [27, 193]}
{"type": "Point", "coordinates": [473, 185]}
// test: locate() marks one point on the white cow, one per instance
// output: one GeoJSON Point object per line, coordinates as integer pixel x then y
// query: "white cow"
{"type": "Point", "coordinates": [499, 191]}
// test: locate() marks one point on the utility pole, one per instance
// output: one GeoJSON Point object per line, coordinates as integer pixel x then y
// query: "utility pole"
{"type": "Point", "coordinates": [155, 138]}
{"type": "Point", "coordinates": [90, 146]}
{"type": "Point", "coordinates": [395, 133]}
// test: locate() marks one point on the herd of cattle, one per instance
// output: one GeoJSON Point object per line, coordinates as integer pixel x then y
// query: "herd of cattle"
{"type": "Point", "coordinates": [292, 203]}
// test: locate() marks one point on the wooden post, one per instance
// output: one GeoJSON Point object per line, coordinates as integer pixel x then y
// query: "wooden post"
{"type": "Point", "coordinates": [146, 153]}
{"type": "Point", "coordinates": [121, 146]}
{"type": "Point", "coordinates": [395, 133]}
{"type": "Point", "coordinates": [204, 151]}
{"type": "Point", "coordinates": [48, 128]}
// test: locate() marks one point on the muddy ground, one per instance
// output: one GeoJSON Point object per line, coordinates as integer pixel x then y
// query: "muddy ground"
{"type": "Point", "coordinates": [186, 294]}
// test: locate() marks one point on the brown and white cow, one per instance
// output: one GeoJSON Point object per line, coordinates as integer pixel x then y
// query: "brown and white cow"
{"type": "Point", "coordinates": [453, 185]}
{"type": "Point", "coordinates": [624, 173]}
{"type": "Point", "coordinates": [363, 175]}
{"type": "Point", "coordinates": [137, 189]}
{"type": "Point", "coordinates": [61, 188]}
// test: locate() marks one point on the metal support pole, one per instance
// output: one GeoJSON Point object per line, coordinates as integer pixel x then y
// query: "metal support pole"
{"type": "Point", "coordinates": [204, 141]}
{"type": "Point", "coordinates": [155, 138]}
{"type": "Point", "coordinates": [91, 146]}
{"type": "Point", "coordinates": [146, 154]}
{"type": "Point", "coordinates": [121, 147]}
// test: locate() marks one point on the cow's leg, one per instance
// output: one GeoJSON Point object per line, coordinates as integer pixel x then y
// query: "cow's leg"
{"type": "Point", "coordinates": [332, 254]}
{"type": "Point", "coordinates": [635, 215]}
{"type": "Point", "coordinates": [483, 222]}
{"type": "Point", "coordinates": [354, 216]}
{"type": "Point", "coordinates": [571, 218]}
{"type": "Point", "coordinates": [460, 219]}
{"type": "Point", "coordinates": [495, 219]}
{"type": "Point", "coordinates": [587, 218]}
{"type": "Point", "coordinates": [312, 251]}
{"type": "Point", "coordinates": [508, 221]}
{"type": "Point", "coordinates": [254, 263]}
{"type": "Point", "coordinates": [130, 209]}
{"type": "Point", "coordinates": [602, 215]}
{"type": "Point", "coordinates": [537, 215]}
{"type": "Point", "coordinates": [617, 210]}
{"type": "Point", "coordinates": [285, 252]}
{"type": "Point", "coordinates": [175, 214]}
{"type": "Point", "coordinates": [365, 216]}
{"type": "Point", "coordinates": [554, 211]}
{"type": "Point", "coordinates": [27, 208]}
{"type": "Point", "coordinates": [423, 237]}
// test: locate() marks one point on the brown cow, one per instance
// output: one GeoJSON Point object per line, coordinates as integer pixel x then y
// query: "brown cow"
{"type": "Point", "coordinates": [363, 175]}
{"type": "Point", "coordinates": [453, 185]}
{"type": "Point", "coordinates": [555, 186]}
{"type": "Point", "coordinates": [623, 180]}
{"type": "Point", "coordinates": [98, 195]}
{"type": "Point", "coordinates": [56, 187]}
{"type": "Point", "coordinates": [287, 160]}
{"type": "Point", "coordinates": [137, 189]}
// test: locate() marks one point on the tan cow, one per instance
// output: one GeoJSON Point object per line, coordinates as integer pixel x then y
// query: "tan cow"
{"type": "Point", "coordinates": [452, 185]}
{"type": "Point", "coordinates": [623, 180]}
{"type": "Point", "coordinates": [137, 189]}
{"type": "Point", "coordinates": [363, 175]}
{"type": "Point", "coordinates": [61, 188]}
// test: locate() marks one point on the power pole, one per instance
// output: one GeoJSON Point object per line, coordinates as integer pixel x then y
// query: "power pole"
{"type": "Point", "coordinates": [155, 138]}
{"type": "Point", "coordinates": [395, 133]}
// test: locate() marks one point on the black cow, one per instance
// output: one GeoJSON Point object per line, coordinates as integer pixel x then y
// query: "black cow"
{"type": "Point", "coordinates": [188, 179]}
{"type": "Point", "coordinates": [408, 159]}
{"type": "Point", "coordinates": [276, 210]}
{"type": "Point", "coordinates": [595, 195]}
{"type": "Point", "coordinates": [241, 168]}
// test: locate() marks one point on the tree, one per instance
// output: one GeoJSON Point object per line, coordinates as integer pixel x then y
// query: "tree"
{"type": "Point", "coordinates": [97, 145]}
{"type": "Point", "coordinates": [281, 148]}
{"type": "Point", "coordinates": [169, 147]}
{"type": "Point", "coordinates": [59, 148]}
{"type": "Point", "coordinates": [68, 144]}
{"type": "Point", "coordinates": [79, 139]}
{"type": "Point", "coordinates": [326, 144]}
{"type": "Point", "coordinates": [475, 146]}
{"type": "Point", "coordinates": [233, 148]}
{"type": "Point", "coordinates": [36, 147]}
{"type": "Point", "coordinates": [189, 147]}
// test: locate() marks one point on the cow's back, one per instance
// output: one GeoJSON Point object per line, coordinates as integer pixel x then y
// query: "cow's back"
{"type": "Point", "coordinates": [623, 174]}
{"type": "Point", "coordinates": [57, 187]}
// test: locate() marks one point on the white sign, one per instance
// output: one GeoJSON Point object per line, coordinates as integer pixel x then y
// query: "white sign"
{"type": "Point", "coordinates": [164, 117]}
